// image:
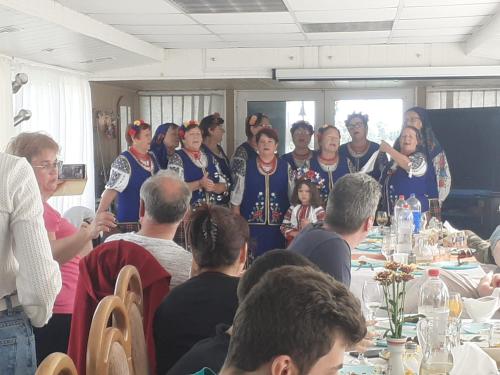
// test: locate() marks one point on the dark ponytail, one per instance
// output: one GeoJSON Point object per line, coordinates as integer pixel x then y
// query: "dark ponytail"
{"type": "Point", "coordinates": [216, 236]}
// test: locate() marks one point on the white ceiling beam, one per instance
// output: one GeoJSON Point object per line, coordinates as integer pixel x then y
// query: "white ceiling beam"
{"type": "Point", "coordinates": [53, 12]}
{"type": "Point", "coordinates": [486, 33]}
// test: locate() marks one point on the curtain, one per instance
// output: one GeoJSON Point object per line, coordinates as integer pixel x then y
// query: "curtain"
{"type": "Point", "coordinates": [61, 106]}
{"type": "Point", "coordinates": [6, 113]}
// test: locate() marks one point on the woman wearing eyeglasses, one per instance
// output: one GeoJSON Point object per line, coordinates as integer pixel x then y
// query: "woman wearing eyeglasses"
{"type": "Point", "coordinates": [301, 132]}
{"type": "Point", "coordinates": [359, 150]}
{"type": "Point", "coordinates": [67, 242]}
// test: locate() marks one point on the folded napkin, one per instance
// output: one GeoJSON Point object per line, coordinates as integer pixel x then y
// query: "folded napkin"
{"type": "Point", "coordinates": [471, 359]}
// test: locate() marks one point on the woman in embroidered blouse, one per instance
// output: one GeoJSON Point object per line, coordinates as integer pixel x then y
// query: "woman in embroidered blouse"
{"type": "Point", "coordinates": [359, 150]}
{"type": "Point", "coordinates": [408, 172]}
{"type": "Point", "coordinates": [212, 132]}
{"type": "Point", "coordinates": [164, 143]}
{"type": "Point", "coordinates": [264, 199]}
{"type": "Point", "coordinates": [197, 168]}
{"type": "Point", "coordinates": [246, 151]}
{"type": "Point", "coordinates": [68, 243]}
{"type": "Point", "coordinates": [327, 161]}
{"type": "Point", "coordinates": [129, 170]}
{"type": "Point", "coordinates": [305, 209]}
{"type": "Point", "coordinates": [436, 157]}
{"type": "Point", "coordinates": [301, 132]}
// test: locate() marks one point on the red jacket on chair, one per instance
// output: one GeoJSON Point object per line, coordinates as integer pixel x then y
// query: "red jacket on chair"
{"type": "Point", "coordinates": [98, 273]}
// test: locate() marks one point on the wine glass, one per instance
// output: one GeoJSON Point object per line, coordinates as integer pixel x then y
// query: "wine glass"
{"type": "Point", "coordinates": [382, 219]}
{"type": "Point", "coordinates": [372, 297]}
{"type": "Point", "coordinates": [455, 305]}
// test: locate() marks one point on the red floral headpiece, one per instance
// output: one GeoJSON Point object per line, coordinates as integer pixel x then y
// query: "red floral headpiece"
{"type": "Point", "coordinates": [135, 128]}
{"type": "Point", "coordinates": [186, 126]}
{"type": "Point", "coordinates": [309, 175]}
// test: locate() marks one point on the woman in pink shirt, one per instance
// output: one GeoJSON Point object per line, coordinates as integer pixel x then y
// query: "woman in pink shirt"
{"type": "Point", "coordinates": [68, 243]}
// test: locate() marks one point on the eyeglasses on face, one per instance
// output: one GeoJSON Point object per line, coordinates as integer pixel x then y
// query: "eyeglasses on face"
{"type": "Point", "coordinates": [57, 165]}
{"type": "Point", "coordinates": [355, 125]}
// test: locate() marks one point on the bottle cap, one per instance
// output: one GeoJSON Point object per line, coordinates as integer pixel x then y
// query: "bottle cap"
{"type": "Point", "coordinates": [434, 272]}
{"type": "Point", "coordinates": [402, 197]}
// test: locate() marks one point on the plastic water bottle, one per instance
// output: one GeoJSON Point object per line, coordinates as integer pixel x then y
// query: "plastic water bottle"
{"type": "Point", "coordinates": [416, 209]}
{"type": "Point", "coordinates": [433, 303]}
{"type": "Point", "coordinates": [397, 207]}
{"type": "Point", "coordinates": [433, 297]}
{"type": "Point", "coordinates": [404, 230]}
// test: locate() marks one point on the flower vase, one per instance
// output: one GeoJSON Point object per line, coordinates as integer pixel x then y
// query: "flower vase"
{"type": "Point", "coordinates": [396, 348]}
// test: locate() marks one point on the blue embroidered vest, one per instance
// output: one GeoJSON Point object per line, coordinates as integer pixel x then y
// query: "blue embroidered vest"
{"type": "Point", "coordinates": [265, 200]}
{"type": "Point", "coordinates": [329, 177]}
{"type": "Point", "coordinates": [194, 173]}
{"type": "Point", "coordinates": [128, 200]}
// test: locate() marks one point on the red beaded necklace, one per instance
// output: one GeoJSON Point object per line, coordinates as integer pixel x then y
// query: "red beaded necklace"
{"type": "Point", "coordinates": [267, 167]}
{"type": "Point", "coordinates": [143, 159]}
{"type": "Point", "coordinates": [196, 155]}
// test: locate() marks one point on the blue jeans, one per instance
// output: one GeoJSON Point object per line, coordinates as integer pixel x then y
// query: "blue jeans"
{"type": "Point", "coordinates": [17, 343]}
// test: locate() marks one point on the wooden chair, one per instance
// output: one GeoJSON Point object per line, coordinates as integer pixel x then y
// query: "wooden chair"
{"type": "Point", "coordinates": [109, 347]}
{"type": "Point", "coordinates": [57, 364]}
{"type": "Point", "coordinates": [129, 288]}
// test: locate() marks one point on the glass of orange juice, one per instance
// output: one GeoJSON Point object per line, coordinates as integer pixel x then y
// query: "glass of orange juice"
{"type": "Point", "coordinates": [455, 305]}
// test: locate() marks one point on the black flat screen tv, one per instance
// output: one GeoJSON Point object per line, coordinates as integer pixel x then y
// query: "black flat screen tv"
{"type": "Point", "coordinates": [471, 140]}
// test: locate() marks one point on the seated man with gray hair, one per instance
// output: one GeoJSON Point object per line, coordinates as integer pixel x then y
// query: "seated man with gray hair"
{"type": "Point", "coordinates": [164, 202]}
{"type": "Point", "coordinates": [350, 213]}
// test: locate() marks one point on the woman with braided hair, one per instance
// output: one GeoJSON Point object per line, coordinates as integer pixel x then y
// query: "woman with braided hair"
{"type": "Point", "coordinates": [192, 310]}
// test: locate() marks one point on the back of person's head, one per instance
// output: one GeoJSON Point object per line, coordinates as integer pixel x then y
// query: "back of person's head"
{"type": "Point", "coordinates": [293, 311]}
{"type": "Point", "coordinates": [166, 197]}
{"type": "Point", "coordinates": [267, 262]}
{"type": "Point", "coordinates": [217, 236]}
{"type": "Point", "coordinates": [30, 145]}
{"type": "Point", "coordinates": [353, 199]}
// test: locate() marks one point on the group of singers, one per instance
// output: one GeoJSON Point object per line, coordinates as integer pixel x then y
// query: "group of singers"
{"type": "Point", "coordinates": [277, 195]}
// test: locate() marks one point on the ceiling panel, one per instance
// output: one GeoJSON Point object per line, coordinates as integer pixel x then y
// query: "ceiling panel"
{"type": "Point", "coordinates": [429, 39]}
{"type": "Point", "coordinates": [360, 34]}
{"type": "Point", "coordinates": [48, 43]}
{"type": "Point", "coordinates": [449, 11]}
{"type": "Point", "coordinates": [142, 19]}
{"type": "Point", "coordinates": [435, 23]}
{"type": "Point", "coordinates": [384, 14]}
{"type": "Point", "coordinates": [162, 29]}
{"type": "Point", "coordinates": [436, 32]}
{"type": "Point", "coordinates": [243, 18]}
{"type": "Point", "coordinates": [306, 5]}
{"type": "Point", "coordinates": [254, 29]}
{"type": "Point", "coordinates": [261, 37]}
{"type": "Point", "coordinates": [230, 6]}
{"type": "Point", "coordinates": [410, 3]}
{"type": "Point", "coordinates": [179, 38]}
{"type": "Point", "coordinates": [121, 6]}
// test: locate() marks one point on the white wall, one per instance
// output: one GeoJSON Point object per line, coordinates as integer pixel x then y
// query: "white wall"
{"type": "Point", "coordinates": [259, 62]}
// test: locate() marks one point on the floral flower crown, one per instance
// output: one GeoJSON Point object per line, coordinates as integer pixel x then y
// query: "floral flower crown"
{"type": "Point", "coordinates": [309, 175]}
{"type": "Point", "coordinates": [135, 128]}
{"type": "Point", "coordinates": [187, 125]}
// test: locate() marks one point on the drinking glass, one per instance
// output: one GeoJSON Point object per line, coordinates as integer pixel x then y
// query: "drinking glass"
{"type": "Point", "coordinates": [382, 219]}
{"type": "Point", "coordinates": [455, 305]}
{"type": "Point", "coordinates": [388, 245]}
{"type": "Point", "coordinates": [373, 297]}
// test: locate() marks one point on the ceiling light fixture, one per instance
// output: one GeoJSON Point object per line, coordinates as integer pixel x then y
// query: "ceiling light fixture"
{"type": "Point", "coordinates": [22, 115]}
{"type": "Point", "coordinates": [393, 73]}
{"type": "Point", "coordinates": [20, 80]}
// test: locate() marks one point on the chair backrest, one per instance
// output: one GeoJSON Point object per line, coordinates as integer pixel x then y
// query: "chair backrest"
{"type": "Point", "coordinates": [57, 364]}
{"type": "Point", "coordinates": [109, 347]}
{"type": "Point", "coordinates": [129, 288]}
